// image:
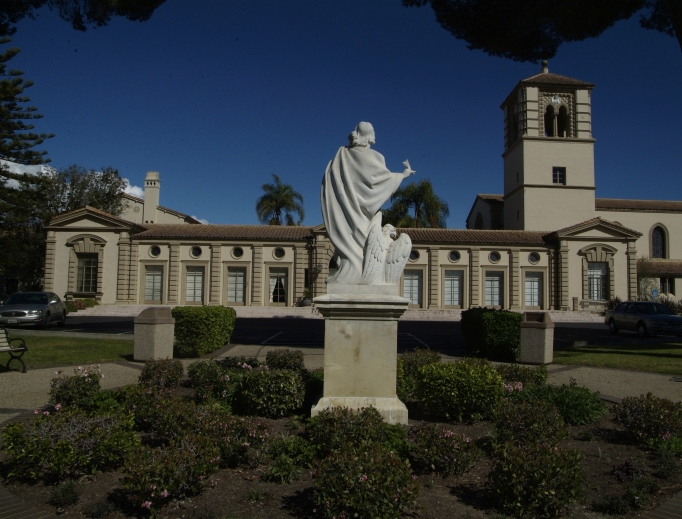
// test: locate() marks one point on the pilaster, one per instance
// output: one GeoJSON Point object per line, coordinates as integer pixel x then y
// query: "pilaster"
{"type": "Point", "coordinates": [434, 279]}
{"type": "Point", "coordinates": [563, 274]}
{"type": "Point", "coordinates": [475, 274]}
{"type": "Point", "coordinates": [514, 280]}
{"type": "Point", "coordinates": [632, 271]}
{"type": "Point", "coordinates": [257, 281]}
{"type": "Point", "coordinates": [50, 251]}
{"type": "Point", "coordinates": [123, 274]}
{"type": "Point", "coordinates": [216, 269]}
{"type": "Point", "coordinates": [174, 275]}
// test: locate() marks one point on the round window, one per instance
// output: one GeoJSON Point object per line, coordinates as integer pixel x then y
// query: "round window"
{"type": "Point", "coordinates": [414, 255]}
{"type": "Point", "coordinates": [534, 258]}
{"type": "Point", "coordinates": [278, 253]}
{"type": "Point", "coordinates": [195, 252]}
{"type": "Point", "coordinates": [494, 257]}
{"type": "Point", "coordinates": [237, 252]}
{"type": "Point", "coordinates": [454, 256]}
{"type": "Point", "coordinates": [154, 251]}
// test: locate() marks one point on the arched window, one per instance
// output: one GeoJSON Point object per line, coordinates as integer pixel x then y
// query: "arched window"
{"type": "Point", "coordinates": [549, 121]}
{"type": "Point", "coordinates": [562, 122]}
{"type": "Point", "coordinates": [658, 243]}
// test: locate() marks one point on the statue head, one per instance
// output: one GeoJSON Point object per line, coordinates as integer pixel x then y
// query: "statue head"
{"type": "Point", "coordinates": [389, 231]}
{"type": "Point", "coordinates": [363, 135]}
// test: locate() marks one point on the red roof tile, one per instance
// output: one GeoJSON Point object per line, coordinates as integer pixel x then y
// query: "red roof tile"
{"type": "Point", "coordinates": [664, 268]}
{"type": "Point", "coordinates": [650, 206]}
{"type": "Point", "coordinates": [476, 236]}
{"type": "Point", "coordinates": [550, 78]}
{"type": "Point", "coordinates": [226, 232]}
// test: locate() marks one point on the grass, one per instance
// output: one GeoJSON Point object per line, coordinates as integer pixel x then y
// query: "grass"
{"type": "Point", "coordinates": [654, 358]}
{"type": "Point", "coordinates": [44, 352]}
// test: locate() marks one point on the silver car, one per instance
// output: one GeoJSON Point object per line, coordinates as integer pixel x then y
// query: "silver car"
{"type": "Point", "coordinates": [644, 318]}
{"type": "Point", "coordinates": [32, 308]}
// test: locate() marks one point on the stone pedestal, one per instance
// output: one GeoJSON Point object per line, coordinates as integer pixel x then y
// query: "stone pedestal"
{"type": "Point", "coordinates": [154, 334]}
{"type": "Point", "coordinates": [360, 349]}
{"type": "Point", "coordinates": [537, 338]}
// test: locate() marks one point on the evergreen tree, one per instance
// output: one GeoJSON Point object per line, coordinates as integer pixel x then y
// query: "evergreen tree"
{"type": "Point", "coordinates": [429, 209]}
{"type": "Point", "coordinates": [279, 200]}
{"type": "Point", "coordinates": [75, 187]}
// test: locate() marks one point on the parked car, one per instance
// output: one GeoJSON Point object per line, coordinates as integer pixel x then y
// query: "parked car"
{"type": "Point", "coordinates": [32, 308]}
{"type": "Point", "coordinates": [644, 318]}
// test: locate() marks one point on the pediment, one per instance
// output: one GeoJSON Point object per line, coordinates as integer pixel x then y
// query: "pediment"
{"type": "Point", "coordinates": [89, 217]}
{"type": "Point", "coordinates": [598, 228]}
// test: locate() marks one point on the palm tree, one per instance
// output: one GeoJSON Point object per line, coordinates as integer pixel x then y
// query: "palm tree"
{"type": "Point", "coordinates": [279, 200]}
{"type": "Point", "coordinates": [429, 209]}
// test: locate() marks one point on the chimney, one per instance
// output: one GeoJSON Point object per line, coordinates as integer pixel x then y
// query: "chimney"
{"type": "Point", "coordinates": [152, 186]}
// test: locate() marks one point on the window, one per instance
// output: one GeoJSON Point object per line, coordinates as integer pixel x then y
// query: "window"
{"type": "Point", "coordinates": [278, 253]}
{"type": "Point", "coordinates": [237, 252]}
{"type": "Point", "coordinates": [454, 284]}
{"type": "Point", "coordinates": [454, 256]}
{"type": "Point", "coordinates": [154, 251]}
{"type": "Point", "coordinates": [412, 286]}
{"type": "Point", "coordinates": [668, 286]}
{"type": "Point", "coordinates": [278, 286]}
{"type": "Point", "coordinates": [494, 257]}
{"type": "Point", "coordinates": [195, 252]}
{"type": "Point", "coordinates": [658, 243]}
{"type": "Point", "coordinates": [562, 122]}
{"type": "Point", "coordinates": [236, 285]}
{"type": "Point", "coordinates": [194, 292]}
{"type": "Point", "coordinates": [534, 258]}
{"type": "Point", "coordinates": [86, 278]}
{"type": "Point", "coordinates": [494, 295]}
{"type": "Point", "coordinates": [559, 175]}
{"type": "Point", "coordinates": [549, 121]}
{"type": "Point", "coordinates": [533, 290]}
{"type": "Point", "coordinates": [414, 255]}
{"type": "Point", "coordinates": [597, 279]}
{"type": "Point", "coordinates": [153, 282]}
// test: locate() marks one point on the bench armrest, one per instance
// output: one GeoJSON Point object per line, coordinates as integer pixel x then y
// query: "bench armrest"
{"type": "Point", "coordinates": [23, 343]}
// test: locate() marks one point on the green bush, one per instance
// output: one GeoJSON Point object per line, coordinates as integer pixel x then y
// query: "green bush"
{"type": "Point", "coordinates": [469, 389]}
{"type": "Point", "coordinates": [71, 307]}
{"type": "Point", "coordinates": [408, 371]}
{"type": "Point", "coordinates": [89, 303]}
{"type": "Point", "coordinates": [441, 450]}
{"type": "Point", "coordinates": [527, 376]}
{"type": "Point", "coordinates": [338, 428]}
{"type": "Point", "coordinates": [314, 386]}
{"type": "Point", "coordinates": [157, 412]}
{"type": "Point", "coordinates": [75, 390]}
{"type": "Point", "coordinates": [157, 475]}
{"type": "Point", "coordinates": [202, 329]}
{"type": "Point", "coordinates": [493, 334]}
{"type": "Point", "coordinates": [239, 363]}
{"type": "Point", "coordinates": [272, 394]}
{"type": "Point", "coordinates": [529, 423]}
{"type": "Point", "coordinates": [161, 374]}
{"type": "Point", "coordinates": [67, 444]}
{"type": "Point", "coordinates": [536, 482]}
{"type": "Point", "coordinates": [577, 405]}
{"type": "Point", "coordinates": [302, 452]}
{"type": "Point", "coordinates": [66, 494]}
{"type": "Point", "coordinates": [285, 359]}
{"type": "Point", "coordinates": [282, 470]}
{"type": "Point", "coordinates": [365, 483]}
{"type": "Point", "coordinates": [650, 420]}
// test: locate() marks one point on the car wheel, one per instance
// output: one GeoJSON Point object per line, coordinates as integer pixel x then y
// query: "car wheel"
{"type": "Point", "coordinates": [612, 327]}
{"type": "Point", "coordinates": [641, 330]}
{"type": "Point", "coordinates": [62, 320]}
{"type": "Point", "coordinates": [45, 323]}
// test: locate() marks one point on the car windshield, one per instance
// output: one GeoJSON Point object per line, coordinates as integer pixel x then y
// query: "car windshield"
{"type": "Point", "coordinates": [27, 299]}
{"type": "Point", "coordinates": [654, 308]}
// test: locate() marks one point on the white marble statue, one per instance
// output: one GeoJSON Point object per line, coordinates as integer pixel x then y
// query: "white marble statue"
{"type": "Point", "coordinates": [355, 186]}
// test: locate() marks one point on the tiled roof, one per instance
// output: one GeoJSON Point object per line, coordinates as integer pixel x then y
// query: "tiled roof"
{"type": "Point", "coordinates": [226, 232]}
{"type": "Point", "coordinates": [549, 78]}
{"type": "Point", "coordinates": [593, 221]}
{"type": "Point", "coordinates": [475, 236]}
{"type": "Point", "coordinates": [623, 204]}
{"type": "Point", "coordinates": [133, 198]}
{"type": "Point", "coordinates": [88, 208]}
{"type": "Point", "coordinates": [164, 209]}
{"type": "Point", "coordinates": [491, 198]}
{"type": "Point", "coordinates": [664, 268]}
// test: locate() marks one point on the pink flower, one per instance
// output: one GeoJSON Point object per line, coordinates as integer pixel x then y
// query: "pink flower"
{"type": "Point", "coordinates": [36, 411]}
{"type": "Point", "coordinates": [363, 477]}
{"type": "Point", "coordinates": [58, 407]}
{"type": "Point", "coordinates": [45, 413]}
{"type": "Point", "coordinates": [165, 493]}
{"type": "Point", "coordinates": [147, 505]}
{"type": "Point", "coordinates": [152, 487]}
{"type": "Point", "coordinates": [666, 436]}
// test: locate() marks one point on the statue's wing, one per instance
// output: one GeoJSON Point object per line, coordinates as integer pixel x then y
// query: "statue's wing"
{"type": "Point", "coordinates": [397, 256]}
{"type": "Point", "coordinates": [375, 252]}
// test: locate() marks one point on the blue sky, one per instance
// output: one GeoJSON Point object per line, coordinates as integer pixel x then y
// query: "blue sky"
{"type": "Point", "coordinates": [219, 95]}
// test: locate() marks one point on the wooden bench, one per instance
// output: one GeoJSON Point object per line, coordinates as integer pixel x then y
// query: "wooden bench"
{"type": "Point", "coordinates": [15, 352]}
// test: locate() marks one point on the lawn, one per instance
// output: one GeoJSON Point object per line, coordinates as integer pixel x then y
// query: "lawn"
{"type": "Point", "coordinates": [46, 352]}
{"type": "Point", "coordinates": [654, 358]}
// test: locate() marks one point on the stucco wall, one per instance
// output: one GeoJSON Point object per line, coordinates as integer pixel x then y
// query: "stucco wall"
{"type": "Point", "coordinates": [644, 222]}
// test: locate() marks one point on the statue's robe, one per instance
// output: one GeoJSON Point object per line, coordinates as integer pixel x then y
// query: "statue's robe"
{"type": "Point", "coordinates": [355, 186]}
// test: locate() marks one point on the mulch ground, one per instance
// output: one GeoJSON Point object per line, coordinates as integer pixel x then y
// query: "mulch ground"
{"type": "Point", "coordinates": [239, 493]}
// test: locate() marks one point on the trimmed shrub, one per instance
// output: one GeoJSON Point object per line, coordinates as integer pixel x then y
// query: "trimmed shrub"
{"type": "Point", "coordinates": [298, 449]}
{"type": "Point", "coordinates": [493, 334]}
{"type": "Point", "coordinates": [161, 374]}
{"type": "Point", "coordinates": [466, 390]}
{"type": "Point", "coordinates": [577, 405]}
{"type": "Point", "coordinates": [72, 391]}
{"type": "Point", "coordinates": [157, 475]}
{"type": "Point", "coordinates": [285, 359]}
{"type": "Point", "coordinates": [67, 445]}
{"type": "Point", "coordinates": [158, 412]}
{"type": "Point", "coordinates": [612, 303]}
{"type": "Point", "coordinates": [239, 363]}
{"type": "Point", "coordinates": [89, 303]}
{"type": "Point", "coordinates": [527, 376]}
{"type": "Point", "coordinates": [537, 482]}
{"type": "Point", "coordinates": [314, 385]}
{"type": "Point", "coordinates": [339, 428]}
{"type": "Point", "coordinates": [272, 394]}
{"type": "Point", "coordinates": [529, 423]}
{"type": "Point", "coordinates": [64, 495]}
{"type": "Point", "coordinates": [202, 329]}
{"type": "Point", "coordinates": [282, 470]}
{"type": "Point", "coordinates": [408, 370]}
{"type": "Point", "coordinates": [366, 483]}
{"type": "Point", "coordinates": [441, 450]}
{"type": "Point", "coordinates": [650, 420]}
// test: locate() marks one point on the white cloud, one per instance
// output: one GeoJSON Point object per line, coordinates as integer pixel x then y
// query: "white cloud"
{"type": "Point", "coordinates": [200, 220]}
{"type": "Point", "coordinates": [134, 190]}
{"type": "Point", "coordinates": [23, 169]}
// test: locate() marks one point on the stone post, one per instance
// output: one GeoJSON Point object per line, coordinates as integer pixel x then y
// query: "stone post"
{"type": "Point", "coordinates": [537, 338]}
{"type": "Point", "coordinates": [154, 334]}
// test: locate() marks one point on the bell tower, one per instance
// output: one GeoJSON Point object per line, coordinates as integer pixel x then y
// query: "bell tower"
{"type": "Point", "coordinates": [548, 153]}
{"type": "Point", "coordinates": [152, 186]}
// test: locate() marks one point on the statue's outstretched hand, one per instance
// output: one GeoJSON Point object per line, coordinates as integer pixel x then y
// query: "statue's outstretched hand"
{"type": "Point", "coordinates": [408, 170]}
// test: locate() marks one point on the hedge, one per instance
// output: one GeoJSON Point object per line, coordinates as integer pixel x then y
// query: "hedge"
{"type": "Point", "coordinates": [202, 329]}
{"type": "Point", "coordinates": [493, 334]}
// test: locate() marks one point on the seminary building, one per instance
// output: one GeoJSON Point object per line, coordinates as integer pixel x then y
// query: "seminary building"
{"type": "Point", "coordinates": [545, 243]}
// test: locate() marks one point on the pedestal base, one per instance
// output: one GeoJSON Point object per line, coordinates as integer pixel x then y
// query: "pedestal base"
{"type": "Point", "coordinates": [392, 410]}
